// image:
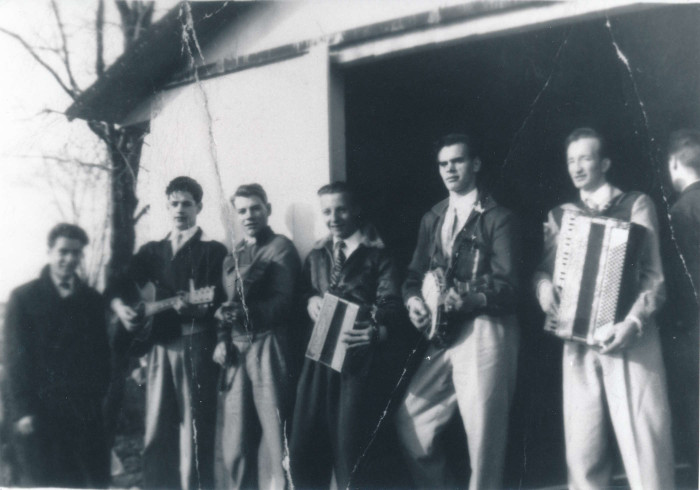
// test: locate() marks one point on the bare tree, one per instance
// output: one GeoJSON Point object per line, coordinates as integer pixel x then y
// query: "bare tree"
{"type": "Point", "coordinates": [122, 144]}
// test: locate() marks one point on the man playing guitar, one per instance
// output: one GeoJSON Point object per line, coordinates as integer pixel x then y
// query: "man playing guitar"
{"type": "Point", "coordinates": [181, 376]}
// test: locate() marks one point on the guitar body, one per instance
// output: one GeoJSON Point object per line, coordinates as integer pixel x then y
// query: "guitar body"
{"type": "Point", "coordinates": [148, 307]}
{"type": "Point", "coordinates": [141, 343]}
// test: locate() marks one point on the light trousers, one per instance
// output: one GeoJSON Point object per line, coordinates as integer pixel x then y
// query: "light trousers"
{"type": "Point", "coordinates": [626, 392]}
{"type": "Point", "coordinates": [475, 375]}
{"type": "Point", "coordinates": [254, 409]}
{"type": "Point", "coordinates": [180, 414]}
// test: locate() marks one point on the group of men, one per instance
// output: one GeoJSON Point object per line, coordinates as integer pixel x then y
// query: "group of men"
{"type": "Point", "coordinates": [224, 351]}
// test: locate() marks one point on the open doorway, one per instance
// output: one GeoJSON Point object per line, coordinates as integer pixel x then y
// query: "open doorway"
{"type": "Point", "coordinates": [521, 94]}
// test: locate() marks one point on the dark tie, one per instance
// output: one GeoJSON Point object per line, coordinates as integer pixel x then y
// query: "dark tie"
{"type": "Point", "coordinates": [338, 261]}
{"type": "Point", "coordinates": [65, 287]}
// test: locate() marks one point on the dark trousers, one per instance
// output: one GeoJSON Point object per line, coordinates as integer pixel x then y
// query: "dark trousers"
{"type": "Point", "coordinates": [67, 449]}
{"type": "Point", "coordinates": [334, 418]}
{"type": "Point", "coordinates": [681, 358]}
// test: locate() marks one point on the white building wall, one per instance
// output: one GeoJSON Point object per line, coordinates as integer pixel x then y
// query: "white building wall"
{"type": "Point", "coordinates": [268, 125]}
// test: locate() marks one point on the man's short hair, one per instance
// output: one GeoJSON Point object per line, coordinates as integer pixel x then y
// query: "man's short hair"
{"type": "Point", "coordinates": [582, 133]}
{"type": "Point", "coordinates": [684, 144]}
{"type": "Point", "coordinates": [338, 187]}
{"type": "Point", "coordinates": [250, 190]}
{"type": "Point", "coordinates": [69, 231]}
{"type": "Point", "coordinates": [185, 184]}
{"type": "Point", "coordinates": [468, 140]}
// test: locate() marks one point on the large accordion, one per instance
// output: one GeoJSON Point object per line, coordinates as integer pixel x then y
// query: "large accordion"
{"type": "Point", "coordinates": [336, 316]}
{"type": "Point", "coordinates": [594, 274]}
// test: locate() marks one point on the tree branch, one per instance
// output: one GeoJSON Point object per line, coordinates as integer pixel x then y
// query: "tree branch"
{"type": "Point", "coordinates": [73, 95]}
{"type": "Point", "coordinates": [141, 213]}
{"type": "Point", "coordinates": [101, 130]}
{"type": "Point", "coordinates": [64, 46]}
{"type": "Point", "coordinates": [81, 163]}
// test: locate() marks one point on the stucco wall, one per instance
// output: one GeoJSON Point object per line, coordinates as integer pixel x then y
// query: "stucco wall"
{"type": "Point", "coordinates": [268, 125]}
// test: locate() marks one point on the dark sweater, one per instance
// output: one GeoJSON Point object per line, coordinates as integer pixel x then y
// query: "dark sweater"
{"type": "Point", "coordinates": [197, 259]}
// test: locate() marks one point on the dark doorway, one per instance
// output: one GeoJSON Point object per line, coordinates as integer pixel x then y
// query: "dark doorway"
{"type": "Point", "coordinates": [634, 77]}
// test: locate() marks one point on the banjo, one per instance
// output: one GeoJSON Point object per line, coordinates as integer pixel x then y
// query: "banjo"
{"type": "Point", "coordinates": [434, 291]}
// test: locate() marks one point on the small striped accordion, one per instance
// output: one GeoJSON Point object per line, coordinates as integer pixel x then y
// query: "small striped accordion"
{"type": "Point", "coordinates": [337, 316]}
{"type": "Point", "coordinates": [593, 274]}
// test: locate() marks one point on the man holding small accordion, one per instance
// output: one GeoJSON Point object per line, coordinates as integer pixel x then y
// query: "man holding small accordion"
{"type": "Point", "coordinates": [461, 291]}
{"type": "Point", "coordinates": [601, 283]}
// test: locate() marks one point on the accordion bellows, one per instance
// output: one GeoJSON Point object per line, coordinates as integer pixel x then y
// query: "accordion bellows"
{"type": "Point", "coordinates": [593, 273]}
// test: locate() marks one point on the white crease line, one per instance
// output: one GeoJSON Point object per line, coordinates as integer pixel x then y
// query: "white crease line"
{"type": "Point", "coordinates": [625, 61]}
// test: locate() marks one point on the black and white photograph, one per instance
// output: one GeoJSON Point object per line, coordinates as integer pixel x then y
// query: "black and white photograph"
{"type": "Point", "coordinates": [350, 244]}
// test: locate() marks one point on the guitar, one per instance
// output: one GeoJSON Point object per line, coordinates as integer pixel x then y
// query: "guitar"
{"type": "Point", "coordinates": [148, 306]}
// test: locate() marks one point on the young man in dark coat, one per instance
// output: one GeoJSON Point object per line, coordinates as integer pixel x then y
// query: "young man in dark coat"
{"type": "Point", "coordinates": [684, 291]}
{"type": "Point", "coordinates": [181, 375]}
{"type": "Point", "coordinates": [336, 413]}
{"type": "Point", "coordinates": [57, 367]}
{"type": "Point", "coordinates": [471, 369]}
{"type": "Point", "coordinates": [261, 278]}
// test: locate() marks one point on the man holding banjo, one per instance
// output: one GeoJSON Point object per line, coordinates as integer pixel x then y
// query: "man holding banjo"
{"type": "Point", "coordinates": [461, 290]}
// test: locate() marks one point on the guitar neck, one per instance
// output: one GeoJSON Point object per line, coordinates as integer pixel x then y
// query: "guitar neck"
{"type": "Point", "coordinates": [154, 307]}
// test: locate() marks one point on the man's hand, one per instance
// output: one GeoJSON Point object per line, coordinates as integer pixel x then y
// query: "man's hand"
{"type": "Point", "coordinates": [230, 313]}
{"type": "Point", "coordinates": [127, 315]}
{"type": "Point", "coordinates": [548, 296]}
{"type": "Point", "coordinates": [314, 307]}
{"type": "Point", "coordinates": [418, 312]}
{"type": "Point", "coordinates": [465, 303]}
{"type": "Point", "coordinates": [184, 307]}
{"type": "Point", "coordinates": [623, 335]}
{"type": "Point", "coordinates": [25, 425]}
{"type": "Point", "coordinates": [367, 335]}
{"type": "Point", "coordinates": [220, 355]}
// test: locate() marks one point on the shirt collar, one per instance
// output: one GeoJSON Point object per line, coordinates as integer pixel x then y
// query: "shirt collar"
{"type": "Point", "coordinates": [463, 205]}
{"type": "Point", "coordinates": [63, 292]}
{"type": "Point", "coordinates": [262, 238]}
{"type": "Point", "coordinates": [186, 234]}
{"type": "Point", "coordinates": [692, 186]}
{"type": "Point", "coordinates": [351, 243]}
{"type": "Point", "coordinates": [600, 197]}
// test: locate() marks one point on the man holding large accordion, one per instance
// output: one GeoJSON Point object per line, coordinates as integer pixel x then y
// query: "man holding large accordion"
{"type": "Point", "coordinates": [461, 291]}
{"type": "Point", "coordinates": [601, 283]}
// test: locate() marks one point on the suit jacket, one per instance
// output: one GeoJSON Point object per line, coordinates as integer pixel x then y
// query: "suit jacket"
{"type": "Point", "coordinates": [685, 223]}
{"type": "Point", "coordinates": [56, 349]}
{"type": "Point", "coordinates": [490, 229]}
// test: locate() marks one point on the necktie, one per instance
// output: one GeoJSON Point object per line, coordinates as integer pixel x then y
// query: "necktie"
{"type": "Point", "coordinates": [451, 233]}
{"type": "Point", "coordinates": [338, 261]}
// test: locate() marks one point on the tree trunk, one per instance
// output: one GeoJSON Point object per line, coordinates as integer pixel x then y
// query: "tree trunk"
{"type": "Point", "coordinates": [125, 154]}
